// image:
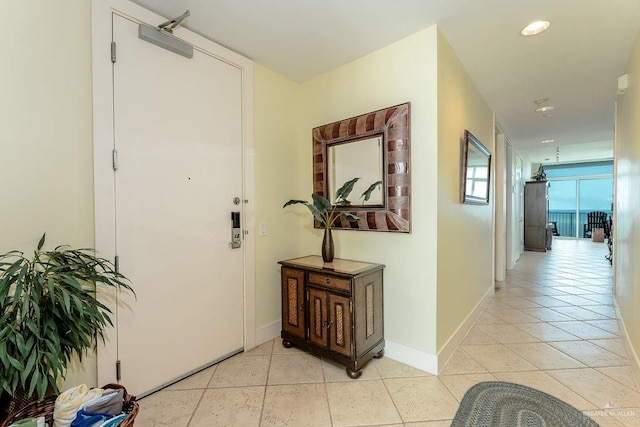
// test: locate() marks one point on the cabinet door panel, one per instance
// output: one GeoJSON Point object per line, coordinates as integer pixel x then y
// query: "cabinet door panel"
{"type": "Point", "coordinates": [368, 312]}
{"type": "Point", "coordinates": [318, 317]}
{"type": "Point", "coordinates": [340, 324]}
{"type": "Point", "coordinates": [535, 238]}
{"type": "Point", "coordinates": [293, 320]}
{"type": "Point", "coordinates": [536, 204]}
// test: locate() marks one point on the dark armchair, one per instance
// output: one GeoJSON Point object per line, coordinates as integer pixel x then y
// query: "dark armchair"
{"type": "Point", "coordinates": [596, 219]}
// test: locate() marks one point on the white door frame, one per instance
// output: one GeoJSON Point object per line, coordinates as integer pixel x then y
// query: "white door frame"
{"type": "Point", "coordinates": [103, 143]}
{"type": "Point", "coordinates": [500, 203]}
{"type": "Point", "coordinates": [512, 217]}
{"type": "Point", "coordinates": [520, 205]}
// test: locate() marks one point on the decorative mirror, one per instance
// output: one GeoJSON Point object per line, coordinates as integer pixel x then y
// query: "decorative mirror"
{"type": "Point", "coordinates": [373, 147]}
{"type": "Point", "coordinates": [362, 159]}
{"type": "Point", "coordinates": [476, 171]}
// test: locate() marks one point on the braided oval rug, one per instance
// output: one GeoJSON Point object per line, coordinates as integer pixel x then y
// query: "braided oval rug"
{"type": "Point", "coordinates": [502, 404]}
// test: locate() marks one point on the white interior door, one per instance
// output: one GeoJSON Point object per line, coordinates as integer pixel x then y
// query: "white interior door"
{"type": "Point", "coordinates": [178, 133]}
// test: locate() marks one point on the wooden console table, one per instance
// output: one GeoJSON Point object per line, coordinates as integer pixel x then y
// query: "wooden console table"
{"type": "Point", "coordinates": [334, 309]}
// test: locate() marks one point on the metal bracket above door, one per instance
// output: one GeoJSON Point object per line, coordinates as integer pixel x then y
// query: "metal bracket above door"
{"type": "Point", "coordinates": [165, 40]}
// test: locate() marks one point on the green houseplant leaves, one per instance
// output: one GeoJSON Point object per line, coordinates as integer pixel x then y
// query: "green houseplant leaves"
{"type": "Point", "coordinates": [326, 213]}
{"type": "Point", "coordinates": [48, 312]}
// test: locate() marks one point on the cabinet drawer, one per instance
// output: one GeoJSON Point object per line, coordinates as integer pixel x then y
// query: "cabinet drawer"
{"type": "Point", "coordinates": [330, 282]}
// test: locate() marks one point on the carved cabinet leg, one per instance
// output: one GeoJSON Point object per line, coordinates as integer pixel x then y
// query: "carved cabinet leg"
{"type": "Point", "coordinates": [287, 344]}
{"type": "Point", "coordinates": [354, 374]}
{"type": "Point", "coordinates": [379, 354]}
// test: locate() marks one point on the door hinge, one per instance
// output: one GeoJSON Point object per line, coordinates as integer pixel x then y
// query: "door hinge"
{"type": "Point", "coordinates": [118, 370]}
{"type": "Point", "coordinates": [114, 156]}
{"type": "Point", "coordinates": [113, 52]}
{"type": "Point", "coordinates": [116, 264]}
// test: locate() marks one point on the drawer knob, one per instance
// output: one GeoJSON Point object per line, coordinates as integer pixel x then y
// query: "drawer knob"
{"type": "Point", "coordinates": [328, 280]}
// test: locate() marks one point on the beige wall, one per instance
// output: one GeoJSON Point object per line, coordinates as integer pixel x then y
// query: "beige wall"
{"type": "Point", "coordinates": [423, 275]}
{"type": "Point", "coordinates": [404, 71]}
{"type": "Point", "coordinates": [627, 220]}
{"type": "Point", "coordinates": [46, 161]}
{"type": "Point", "coordinates": [46, 165]}
{"type": "Point", "coordinates": [277, 137]}
{"type": "Point", "coordinates": [465, 233]}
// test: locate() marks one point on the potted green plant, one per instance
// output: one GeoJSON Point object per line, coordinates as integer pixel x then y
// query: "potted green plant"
{"type": "Point", "coordinates": [540, 174]}
{"type": "Point", "coordinates": [327, 214]}
{"type": "Point", "coordinates": [48, 313]}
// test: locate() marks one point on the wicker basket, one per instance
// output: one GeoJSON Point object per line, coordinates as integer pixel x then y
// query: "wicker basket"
{"type": "Point", "coordinates": [44, 408]}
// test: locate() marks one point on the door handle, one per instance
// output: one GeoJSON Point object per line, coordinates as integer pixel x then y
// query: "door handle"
{"type": "Point", "coordinates": [328, 324]}
{"type": "Point", "coordinates": [236, 232]}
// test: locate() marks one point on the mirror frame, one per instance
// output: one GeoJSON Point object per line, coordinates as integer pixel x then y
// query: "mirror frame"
{"type": "Point", "coordinates": [393, 124]}
{"type": "Point", "coordinates": [472, 141]}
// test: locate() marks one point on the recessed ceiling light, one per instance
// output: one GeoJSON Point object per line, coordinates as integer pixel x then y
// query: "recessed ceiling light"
{"type": "Point", "coordinates": [534, 28]}
{"type": "Point", "coordinates": [544, 108]}
{"type": "Point", "coordinates": [547, 141]}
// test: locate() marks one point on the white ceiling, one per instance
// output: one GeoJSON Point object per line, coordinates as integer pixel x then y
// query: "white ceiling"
{"type": "Point", "coordinates": [576, 63]}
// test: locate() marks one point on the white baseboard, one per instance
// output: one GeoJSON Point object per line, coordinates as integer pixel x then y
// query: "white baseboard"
{"type": "Point", "coordinates": [407, 355]}
{"type": "Point", "coordinates": [268, 332]}
{"type": "Point", "coordinates": [412, 357]}
{"type": "Point", "coordinates": [456, 339]}
{"type": "Point", "coordinates": [634, 361]}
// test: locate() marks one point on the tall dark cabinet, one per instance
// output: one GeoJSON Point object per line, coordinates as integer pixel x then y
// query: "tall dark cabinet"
{"type": "Point", "coordinates": [536, 215]}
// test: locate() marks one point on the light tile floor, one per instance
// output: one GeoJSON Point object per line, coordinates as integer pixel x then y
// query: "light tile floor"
{"type": "Point", "coordinates": [551, 325]}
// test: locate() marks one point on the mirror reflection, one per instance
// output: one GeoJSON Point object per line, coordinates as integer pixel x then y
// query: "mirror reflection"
{"type": "Point", "coordinates": [356, 159]}
{"type": "Point", "coordinates": [476, 171]}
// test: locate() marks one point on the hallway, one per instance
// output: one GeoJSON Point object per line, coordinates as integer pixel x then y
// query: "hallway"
{"type": "Point", "coordinates": [551, 326]}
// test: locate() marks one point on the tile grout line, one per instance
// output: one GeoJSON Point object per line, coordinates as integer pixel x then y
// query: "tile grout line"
{"type": "Point", "coordinates": [326, 390]}
{"type": "Point", "coordinates": [384, 384]}
{"type": "Point", "coordinates": [266, 382]}
{"type": "Point", "coordinates": [196, 407]}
